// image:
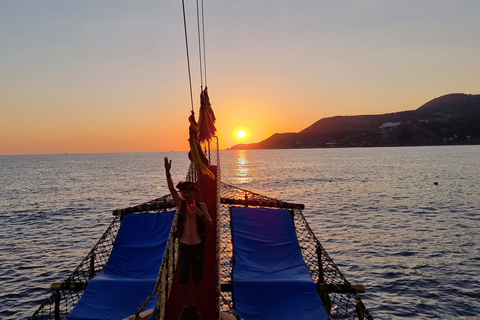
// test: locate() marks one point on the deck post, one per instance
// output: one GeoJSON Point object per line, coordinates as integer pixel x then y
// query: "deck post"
{"type": "Point", "coordinates": [91, 269]}
{"type": "Point", "coordinates": [58, 296]}
{"type": "Point", "coordinates": [321, 281]}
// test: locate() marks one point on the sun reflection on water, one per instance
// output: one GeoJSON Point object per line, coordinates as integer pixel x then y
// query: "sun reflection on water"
{"type": "Point", "coordinates": [242, 171]}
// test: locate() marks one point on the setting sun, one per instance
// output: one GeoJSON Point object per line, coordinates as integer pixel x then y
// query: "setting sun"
{"type": "Point", "coordinates": [241, 133]}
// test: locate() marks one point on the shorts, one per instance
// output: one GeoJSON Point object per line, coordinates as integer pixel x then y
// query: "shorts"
{"type": "Point", "coordinates": [190, 255]}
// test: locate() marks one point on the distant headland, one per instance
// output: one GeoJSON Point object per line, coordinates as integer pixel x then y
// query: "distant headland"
{"type": "Point", "coordinates": [452, 119]}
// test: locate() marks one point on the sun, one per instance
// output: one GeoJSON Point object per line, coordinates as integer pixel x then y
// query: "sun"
{"type": "Point", "coordinates": [241, 134]}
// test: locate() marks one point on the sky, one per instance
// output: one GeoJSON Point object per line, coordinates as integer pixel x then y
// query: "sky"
{"type": "Point", "coordinates": [111, 76]}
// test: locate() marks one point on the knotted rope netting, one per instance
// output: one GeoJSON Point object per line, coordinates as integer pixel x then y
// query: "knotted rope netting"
{"type": "Point", "coordinates": [324, 272]}
{"type": "Point", "coordinates": [335, 291]}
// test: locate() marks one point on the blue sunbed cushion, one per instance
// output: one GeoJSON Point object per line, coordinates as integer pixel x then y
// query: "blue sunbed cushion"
{"type": "Point", "coordinates": [131, 272]}
{"type": "Point", "coordinates": [270, 279]}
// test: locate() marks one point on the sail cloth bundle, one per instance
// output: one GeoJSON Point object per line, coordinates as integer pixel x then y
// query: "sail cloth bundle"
{"type": "Point", "coordinates": [206, 120]}
{"type": "Point", "coordinates": [203, 131]}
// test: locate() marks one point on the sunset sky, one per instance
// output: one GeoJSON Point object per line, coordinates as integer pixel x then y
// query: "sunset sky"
{"type": "Point", "coordinates": [111, 75]}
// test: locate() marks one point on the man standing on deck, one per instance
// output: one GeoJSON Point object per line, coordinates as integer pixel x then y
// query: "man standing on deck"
{"type": "Point", "coordinates": [191, 221]}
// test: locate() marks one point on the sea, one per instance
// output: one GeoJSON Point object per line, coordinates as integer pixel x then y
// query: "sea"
{"type": "Point", "coordinates": [403, 221]}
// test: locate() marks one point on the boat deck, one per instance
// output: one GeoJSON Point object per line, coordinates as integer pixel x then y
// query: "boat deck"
{"type": "Point", "coordinates": [341, 299]}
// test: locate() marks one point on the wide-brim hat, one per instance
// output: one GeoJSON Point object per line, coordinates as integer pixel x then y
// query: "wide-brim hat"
{"type": "Point", "coordinates": [182, 186]}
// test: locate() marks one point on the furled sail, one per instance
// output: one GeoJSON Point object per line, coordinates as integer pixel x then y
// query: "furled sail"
{"type": "Point", "coordinates": [206, 119]}
{"type": "Point", "coordinates": [196, 155]}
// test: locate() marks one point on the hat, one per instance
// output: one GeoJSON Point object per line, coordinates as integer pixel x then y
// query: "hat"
{"type": "Point", "coordinates": [182, 186]}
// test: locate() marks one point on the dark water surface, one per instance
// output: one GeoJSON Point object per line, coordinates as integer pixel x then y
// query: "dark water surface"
{"type": "Point", "coordinates": [413, 243]}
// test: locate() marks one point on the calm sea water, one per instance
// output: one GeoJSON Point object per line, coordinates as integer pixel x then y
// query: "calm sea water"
{"type": "Point", "coordinates": [378, 212]}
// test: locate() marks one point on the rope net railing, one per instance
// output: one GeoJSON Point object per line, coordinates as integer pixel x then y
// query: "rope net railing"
{"type": "Point", "coordinates": [66, 294]}
{"type": "Point", "coordinates": [334, 289]}
{"type": "Point", "coordinates": [324, 272]}
{"type": "Point", "coordinates": [165, 276]}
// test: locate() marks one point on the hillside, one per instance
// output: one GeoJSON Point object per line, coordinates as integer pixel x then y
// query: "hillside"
{"type": "Point", "coordinates": [449, 119]}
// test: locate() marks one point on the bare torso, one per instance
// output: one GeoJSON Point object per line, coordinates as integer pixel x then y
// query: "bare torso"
{"type": "Point", "coordinates": [194, 214]}
{"type": "Point", "coordinates": [190, 232]}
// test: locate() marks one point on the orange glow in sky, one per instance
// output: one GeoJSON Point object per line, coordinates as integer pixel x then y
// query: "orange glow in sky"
{"type": "Point", "coordinates": [104, 77]}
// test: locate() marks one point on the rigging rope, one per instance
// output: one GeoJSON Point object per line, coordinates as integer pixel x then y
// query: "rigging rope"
{"type": "Point", "coordinates": [204, 55]}
{"type": "Point", "coordinates": [201, 44]}
{"type": "Point", "coordinates": [201, 47]}
{"type": "Point", "coordinates": [188, 56]}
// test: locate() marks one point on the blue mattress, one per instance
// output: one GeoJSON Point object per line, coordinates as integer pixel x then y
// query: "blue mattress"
{"type": "Point", "coordinates": [131, 272]}
{"type": "Point", "coordinates": [270, 279]}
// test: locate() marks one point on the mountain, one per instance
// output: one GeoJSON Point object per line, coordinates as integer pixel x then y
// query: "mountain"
{"type": "Point", "coordinates": [449, 119]}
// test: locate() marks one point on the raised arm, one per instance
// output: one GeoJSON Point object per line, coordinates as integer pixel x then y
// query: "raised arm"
{"type": "Point", "coordinates": [173, 191]}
